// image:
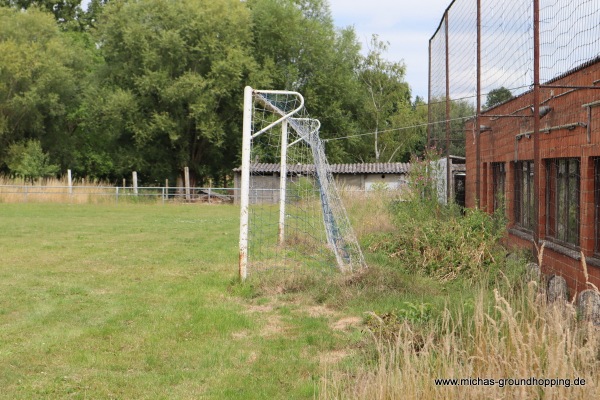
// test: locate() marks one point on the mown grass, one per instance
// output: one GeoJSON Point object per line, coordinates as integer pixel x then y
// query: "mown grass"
{"type": "Point", "coordinates": [141, 302]}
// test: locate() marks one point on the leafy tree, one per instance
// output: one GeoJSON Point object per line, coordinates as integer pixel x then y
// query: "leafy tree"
{"type": "Point", "coordinates": [89, 18]}
{"type": "Point", "coordinates": [66, 12]}
{"type": "Point", "coordinates": [27, 160]}
{"type": "Point", "coordinates": [497, 96]}
{"type": "Point", "coordinates": [387, 103]}
{"type": "Point", "coordinates": [43, 72]}
{"type": "Point", "coordinates": [298, 48]}
{"type": "Point", "coordinates": [460, 111]}
{"type": "Point", "coordinates": [183, 65]}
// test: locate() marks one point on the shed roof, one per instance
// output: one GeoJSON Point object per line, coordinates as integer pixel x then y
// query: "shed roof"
{"type": "Point", "coordinates": [363, 168]}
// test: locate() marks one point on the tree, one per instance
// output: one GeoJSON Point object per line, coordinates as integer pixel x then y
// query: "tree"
{"type": "Point", "coordinates": [184, 65]}
{"type": "Point", "coordinates": [43, 72]}
{"type": "Point", "coordinates": [460, 111]}
{"type": "Point", "coordinates": [66, 12]}
{"type": "Point", "coordinates": [298, 48]}
{"type": "Point", "coordinates": [497, 96]}
{"type": "Point", "coordinates": [387, 103]}
{"type": "Point", "coordinates": [28, 161]}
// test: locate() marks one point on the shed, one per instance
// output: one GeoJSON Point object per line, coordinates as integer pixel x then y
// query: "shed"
{"type": "Point", "coordinates": [350, 177]}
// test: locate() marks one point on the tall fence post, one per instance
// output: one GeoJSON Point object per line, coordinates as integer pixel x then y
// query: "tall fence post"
{"type": "Point", "coordinates": [186, 177]}
{"type": "Point", "coordinates": [536, 121]}
{"type": "Point", "coordinates": [448, 127]}
{"type": "Point", "coordinates": [70, 180]}
{"type": "Point", "coordinates": [135, 182]}
{"type": "Point", "coordinates": [429, 113]}
{"type": "Point", "coordinates": [478, 112]}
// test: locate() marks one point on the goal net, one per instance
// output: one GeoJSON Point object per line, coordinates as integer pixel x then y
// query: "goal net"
{"type": "Point", "coordinates": [291, 213]}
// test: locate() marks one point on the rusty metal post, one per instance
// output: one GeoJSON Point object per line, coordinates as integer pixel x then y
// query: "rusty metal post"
{"type": "Point", "coordinates": [448, 127]}
{"type": "Point", "coordinates": [478, 112]}
{"type": "Point", "coordinates": [429, 117]}
{"type": "Point", "coordinates": [536, 120]}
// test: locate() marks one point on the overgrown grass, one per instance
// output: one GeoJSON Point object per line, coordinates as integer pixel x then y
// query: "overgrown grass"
{"type": "Point", "coordinates": [520, 337]}
{"type": "Point", "coordinates": [442, 242]}
{"type": "Point", "coordinates": [53, 190]}
{"type": "Point", "coordinates": [479, 319]}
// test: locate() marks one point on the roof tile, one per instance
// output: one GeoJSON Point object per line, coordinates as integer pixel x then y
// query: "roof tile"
{"type": "Point", "coordinates": [363, 168]}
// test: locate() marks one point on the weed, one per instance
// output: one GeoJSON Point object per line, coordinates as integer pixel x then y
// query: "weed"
{"type": "Point", "coordinates": [518, 338]}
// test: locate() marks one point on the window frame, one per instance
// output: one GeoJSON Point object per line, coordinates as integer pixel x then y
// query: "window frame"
{"type": "Point", "coordinates": [563, 200]}
{"type": "Point", "coordinates": [498, 185]}
{"type": "Point", "coordinates": [524, 199]}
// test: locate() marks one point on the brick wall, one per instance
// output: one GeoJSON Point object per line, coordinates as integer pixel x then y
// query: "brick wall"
{"type": "Point", "coordinates": [567, 131]}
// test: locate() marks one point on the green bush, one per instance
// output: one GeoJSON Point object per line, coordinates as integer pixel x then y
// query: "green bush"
{"type": "Point", "coordinates": [27, 160]}
{"type": "Point", "coordinates": [442, 241]}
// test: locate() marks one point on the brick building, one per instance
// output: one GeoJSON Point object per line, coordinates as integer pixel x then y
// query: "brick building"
{"type": "Point", "coordinates": [568, 198]}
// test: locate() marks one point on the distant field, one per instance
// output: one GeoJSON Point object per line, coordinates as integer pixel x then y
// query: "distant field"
{"type": "Point", "coordinates": [135, 301]}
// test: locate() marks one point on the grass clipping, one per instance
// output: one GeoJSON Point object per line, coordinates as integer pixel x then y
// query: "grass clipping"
{"type": "Point", "coordinates": [522, 339]}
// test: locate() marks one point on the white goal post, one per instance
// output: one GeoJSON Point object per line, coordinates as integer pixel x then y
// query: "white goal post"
{"type": "Point", "coordinates": [279, 138]}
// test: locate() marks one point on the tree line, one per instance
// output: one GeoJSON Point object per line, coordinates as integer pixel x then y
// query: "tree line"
{"type": "Point", "coordinates": [157, 85]}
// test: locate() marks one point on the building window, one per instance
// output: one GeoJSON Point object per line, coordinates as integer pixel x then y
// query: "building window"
{"type": "Point", "coordinates": [498, 182]}
{"type": "Point", "coordinates": [524, 195]}
{"type": "Point", "coordinates": [562, 199]}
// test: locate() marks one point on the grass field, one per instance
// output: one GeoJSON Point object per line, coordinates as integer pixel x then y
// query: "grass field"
{"type": "Point", "coordinates": [135, 301]}
{"type": "Point", "coordinates": [140, 301]}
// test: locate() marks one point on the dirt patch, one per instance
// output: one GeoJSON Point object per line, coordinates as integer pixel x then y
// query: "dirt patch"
{"type": "Point", "coordinates": [347, 323]}
{"type": "Point", "coordinates": [252, 357]}
{"type": "Point", "coordinates": [274, 326]}
{"type": "Point", "coordinates": [332, 357]}
{"type": "Point", "coordinates": [260, 309]}
{"type": "Point", "coordinates": [240, 335]}
{"type": "Point", "coordinates": [319, 311]}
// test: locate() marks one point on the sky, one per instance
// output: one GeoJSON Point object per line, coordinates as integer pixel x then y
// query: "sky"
{"type": "Point", "coordinates": [406, 24]}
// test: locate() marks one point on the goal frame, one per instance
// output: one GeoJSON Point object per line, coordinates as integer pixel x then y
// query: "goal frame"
{"type": "Point", "coordinates": [307, 130]}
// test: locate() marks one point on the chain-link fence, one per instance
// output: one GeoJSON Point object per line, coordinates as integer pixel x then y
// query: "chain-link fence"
{"type": "Point", "coordinates": [486, 52]}
{"type": "Point", "coordinates": [96, 194]}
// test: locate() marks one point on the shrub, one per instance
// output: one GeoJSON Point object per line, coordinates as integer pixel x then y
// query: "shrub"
{"type": "Point", "coordinates": [441, 241]}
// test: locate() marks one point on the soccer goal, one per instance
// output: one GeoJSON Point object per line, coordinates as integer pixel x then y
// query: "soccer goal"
{"type": "Point", "coordinates": [291, 214]}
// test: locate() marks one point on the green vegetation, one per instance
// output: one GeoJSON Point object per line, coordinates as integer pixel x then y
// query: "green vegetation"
{"type": "Point", "coordinates": [143, 301]}
{"type": "Point", "coordinates": [497, 96]}
{"type": "Point", "coordinates": [136, 302]}
{"type": "Point", "coordinates": [28, 161]}
{"type": "Point", "coordinates": [157, 85]}
{"type": "Point", "coordinates": [443, 300]}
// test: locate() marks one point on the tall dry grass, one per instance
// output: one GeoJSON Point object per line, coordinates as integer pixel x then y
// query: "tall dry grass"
{"type": "Point", "coordinates": [518, 336]}
{"type": "Point", "coordinates": [55, 190]}
{"type": "Point", "coordinates": [369, 211]}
